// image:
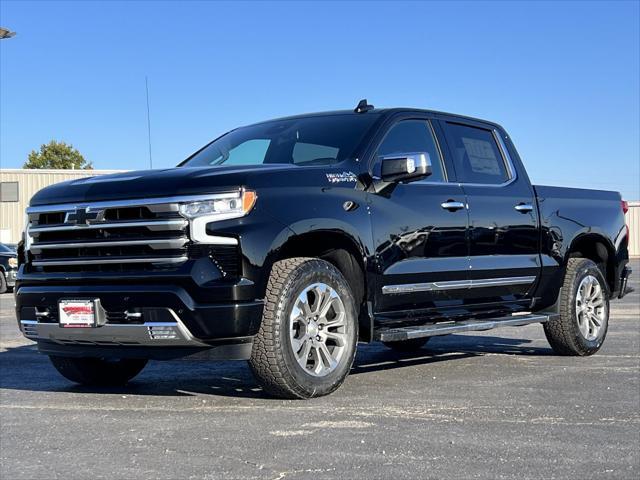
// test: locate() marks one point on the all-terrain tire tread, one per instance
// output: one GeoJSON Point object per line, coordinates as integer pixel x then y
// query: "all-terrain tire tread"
{"type": "Point", "coordinates": [267, 359]}
{"type": "Point", "coordinates": [561, 331]}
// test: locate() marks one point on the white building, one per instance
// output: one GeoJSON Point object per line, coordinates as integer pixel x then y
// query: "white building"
{"type": "Point", "coordinates": [17, 186]}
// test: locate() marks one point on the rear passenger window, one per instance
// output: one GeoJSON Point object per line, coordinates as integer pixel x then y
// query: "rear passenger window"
{"type": "Point", "coordinates": [476, 155]}
{"type": "Point", "coordinates": [413, 136]}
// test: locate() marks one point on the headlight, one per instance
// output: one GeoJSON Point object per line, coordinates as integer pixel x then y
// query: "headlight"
{"type": "Point", "coordinates": [13, 262]}
{"type": "Point", "coordinates": [223, 206]}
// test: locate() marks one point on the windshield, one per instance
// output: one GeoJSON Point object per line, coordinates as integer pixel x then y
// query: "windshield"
{"type": "Point", "coordinates": [319, 140]}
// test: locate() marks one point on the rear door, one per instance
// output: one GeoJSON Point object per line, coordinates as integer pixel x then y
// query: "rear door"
{"type": "Point", "coordinates": [503, 218]}
{"type": "Point", "coordinates": [419, 228]}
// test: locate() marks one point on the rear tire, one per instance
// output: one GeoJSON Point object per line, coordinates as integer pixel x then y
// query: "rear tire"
{"type": "Point", "coordinates": [582, 325]}
{"type": "Point", "coordinates": [97, 371]}
{"type": "Point", "coordinates": [407, 345]}
{"type": "Point", "coordinates": [307, 339]}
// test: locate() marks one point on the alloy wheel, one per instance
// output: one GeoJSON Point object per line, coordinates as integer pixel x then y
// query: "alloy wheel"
{"type": "Point", "coordinates": [317, 329]}
{"type": "Point", "coordinates": [591, 308]}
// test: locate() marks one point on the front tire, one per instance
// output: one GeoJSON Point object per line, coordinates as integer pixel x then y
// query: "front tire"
{"type": "Point", "coordinates": [3, 283]}
{"type": "Point", "coordinates": [98, 371]}
{"type": "Point", "coordinates": [307, 339]}
{"type": "Point", "coordinates": [582, 325]}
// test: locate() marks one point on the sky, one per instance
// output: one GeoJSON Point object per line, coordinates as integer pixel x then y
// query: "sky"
{"type": "Point", "coordinates": [562, 78]}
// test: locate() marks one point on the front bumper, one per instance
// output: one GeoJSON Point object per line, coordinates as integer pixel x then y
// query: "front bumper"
{"type": "Point", "coordinates": [151, 340]}
{"type": "Point", "coordinates": [167, 333]}
{"type": "Point", "coordinates": [142, 317]}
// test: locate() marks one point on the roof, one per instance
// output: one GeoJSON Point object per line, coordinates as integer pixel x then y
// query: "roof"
{"type": "Point", "coordinates": [379, 111]}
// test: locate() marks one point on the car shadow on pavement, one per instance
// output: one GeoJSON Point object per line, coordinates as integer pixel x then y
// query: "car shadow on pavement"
{"type": "Point", "coordinates": [23, 368]}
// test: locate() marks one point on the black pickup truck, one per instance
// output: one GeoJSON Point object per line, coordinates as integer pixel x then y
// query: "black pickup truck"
{"type": "Point", "coordinates": [287, 242]}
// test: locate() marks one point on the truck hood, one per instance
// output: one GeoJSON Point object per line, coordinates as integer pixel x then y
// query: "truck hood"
{"type": "Point", "coordinates": [159, 183]}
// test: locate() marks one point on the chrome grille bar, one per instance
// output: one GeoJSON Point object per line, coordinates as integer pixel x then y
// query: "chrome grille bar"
{"type": "Point", "coordinates": [162, 244]}
{"type": "Point", "coordinates": [155, 225]}
{"type": "Point", "coordinates": [98, 260]}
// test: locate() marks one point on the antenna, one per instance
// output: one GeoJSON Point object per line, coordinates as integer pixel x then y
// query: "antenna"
{"type": "Point", "coordinates": [146, 85]}
{"type": "Point", "coordinates": [363, 106]}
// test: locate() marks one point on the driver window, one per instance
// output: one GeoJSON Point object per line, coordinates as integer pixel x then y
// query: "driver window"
{"type": "Point", "coordinates": [410, 136]}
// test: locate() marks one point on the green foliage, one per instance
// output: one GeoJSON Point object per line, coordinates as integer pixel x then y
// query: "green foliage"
{"type": "Point", "coordinates": [58, 155]}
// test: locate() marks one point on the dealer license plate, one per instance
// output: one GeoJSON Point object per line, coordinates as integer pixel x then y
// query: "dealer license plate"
{"type": "Point", "coordinates": [77, 313]}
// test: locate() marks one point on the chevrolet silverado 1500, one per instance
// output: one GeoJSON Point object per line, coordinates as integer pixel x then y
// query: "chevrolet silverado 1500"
{"type": "Point", "coordinates": [287, 242]}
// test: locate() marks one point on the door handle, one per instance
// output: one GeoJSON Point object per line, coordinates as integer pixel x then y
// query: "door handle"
{"type": "Point", "coordinates": [524, 207]}
{"type": "Point", "coordinates": [452, 206]}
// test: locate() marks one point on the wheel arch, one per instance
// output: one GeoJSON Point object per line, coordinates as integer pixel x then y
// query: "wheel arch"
{"type": "Point", "coordinates": [343, 252]}
{"type": "Point", "coordinates": [600, 250]}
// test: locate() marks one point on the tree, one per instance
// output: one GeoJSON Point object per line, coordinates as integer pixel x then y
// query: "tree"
{"type": "Point", "coordinates": [58, 155]}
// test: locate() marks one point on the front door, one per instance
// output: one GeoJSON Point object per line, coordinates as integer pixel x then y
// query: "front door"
{"type": "Point", "coordinates": [419, 228]}
{"type": "Point", "coordinates": [503, 218]}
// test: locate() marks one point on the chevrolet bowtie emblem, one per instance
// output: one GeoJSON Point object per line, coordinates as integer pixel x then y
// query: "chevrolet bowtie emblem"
{"type": "Point", "coordinates": [84, 216]}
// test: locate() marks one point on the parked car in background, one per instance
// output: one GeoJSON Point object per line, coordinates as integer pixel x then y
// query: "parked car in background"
{"type": "Point", "coordinates": [287, 242]}
{"type": "Point", "coordinates": [8, 267]}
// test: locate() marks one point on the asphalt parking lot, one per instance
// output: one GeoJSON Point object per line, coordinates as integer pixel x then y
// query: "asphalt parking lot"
{"type": "Point", "coordinates": [492, 405]}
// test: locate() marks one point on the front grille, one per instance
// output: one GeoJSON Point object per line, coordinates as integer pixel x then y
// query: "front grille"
{"type": "Point", "coordinates": [99, 238]}
{"type": "Point", "coordinates": [119, 237]}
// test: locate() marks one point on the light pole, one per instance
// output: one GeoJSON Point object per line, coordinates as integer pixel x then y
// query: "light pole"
{"type": "Point", "coordinates": [4, 33]}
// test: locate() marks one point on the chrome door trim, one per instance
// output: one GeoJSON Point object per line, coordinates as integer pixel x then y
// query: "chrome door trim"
{"type": "Point", "coordinates": [455, 285]}
{"type": "Point", "coordinates": [499, 282]}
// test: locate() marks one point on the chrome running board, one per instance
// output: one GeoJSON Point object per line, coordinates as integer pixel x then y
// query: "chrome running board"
{"type": "Point", "coordinates": [394, 334]}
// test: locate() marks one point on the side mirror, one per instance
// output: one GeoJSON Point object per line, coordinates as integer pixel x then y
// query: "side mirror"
{"type": "Point", "coordinates": [405, 167]}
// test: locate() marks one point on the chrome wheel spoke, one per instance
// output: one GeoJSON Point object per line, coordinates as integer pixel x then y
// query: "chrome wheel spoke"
{"type": "Point", "coordinates": [320, 294]}
{"type": "Point", "coordinates": [588, 289]}
{"type": "Point", "coordinates": [584, 325]}
{"type": "Point", "coordinates": [591, 308]}
{"type": "Point", "coordinates": [337, 321]}
{"type": "Point", "coordinates": [303, 353]}
{"type": "Point", "coordinates": [327, 359]}
{"type": "Point", "coordinates": [597, 303]}
{"type": "Point", "coordinates": [318, 329]}
{"type": "Point", "coordinates": [325, 303]}
{"type": "Point", "coordinates": [303, 305]}
{"type": "Point", "coordinates": [337, 338]}
{"type": "Point", "coordinates": [297, 343]}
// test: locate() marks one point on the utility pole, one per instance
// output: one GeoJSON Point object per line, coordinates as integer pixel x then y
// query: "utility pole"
{"type": "Point", "coordinates": [146, 84]}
